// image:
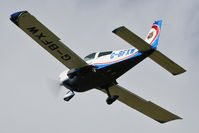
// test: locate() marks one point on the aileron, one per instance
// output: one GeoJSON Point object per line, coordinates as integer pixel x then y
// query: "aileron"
{"type": "Point", "coordinates": [48, 40]}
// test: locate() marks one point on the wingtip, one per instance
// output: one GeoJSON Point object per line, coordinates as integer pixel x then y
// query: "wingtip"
{"type": "Point", "coordinates": [162, 122]}
{"type": "Point", "coordinates": [115, 30]}
{"type": "Point", "coordinates": [14, 17]}
{"type": "Point", "coordinates": [183, 71]}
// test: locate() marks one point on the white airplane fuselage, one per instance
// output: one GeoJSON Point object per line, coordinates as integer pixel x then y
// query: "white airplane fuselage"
{"type": "Point", "coordinates": [103, 70]}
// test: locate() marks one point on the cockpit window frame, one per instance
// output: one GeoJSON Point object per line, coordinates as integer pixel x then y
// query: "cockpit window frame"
{"type": "Point", "coordinates": [104, 53]}
{"type": "Point", "coordinates": [90, 57]}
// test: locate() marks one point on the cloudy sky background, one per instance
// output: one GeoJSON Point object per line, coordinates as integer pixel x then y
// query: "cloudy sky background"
{"type": "Point", "coordinates": [28, 98]}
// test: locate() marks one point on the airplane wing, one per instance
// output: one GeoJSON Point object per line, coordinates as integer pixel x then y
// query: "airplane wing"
{"type": "Point", "coordinates": [146, 107]}
{"type": "Point", "coordinates": [166, 63]}
{"type": "Point", "coordinates": [48, 40]}
{"type": "Point", "coordinates": [132, 39]}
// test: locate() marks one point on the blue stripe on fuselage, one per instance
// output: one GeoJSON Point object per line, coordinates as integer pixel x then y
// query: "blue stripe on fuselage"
{"type": "Point", "coordinates": [66, 79]}
{"type": "Point", "coordinates": [99, 66]}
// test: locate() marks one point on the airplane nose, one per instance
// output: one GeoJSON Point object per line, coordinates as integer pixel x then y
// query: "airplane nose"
{"type": "Point", "coordinates": [61, 82]}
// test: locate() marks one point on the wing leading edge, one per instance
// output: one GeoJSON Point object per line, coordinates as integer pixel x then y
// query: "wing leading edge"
{"type": "Point", "coordinates": [48, 40]}
{"type": "Point", "coordinates": [146, 107]}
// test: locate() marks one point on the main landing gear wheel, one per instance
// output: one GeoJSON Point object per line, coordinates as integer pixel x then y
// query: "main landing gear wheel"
{"type": "Point", "coordinates": [110, 98]}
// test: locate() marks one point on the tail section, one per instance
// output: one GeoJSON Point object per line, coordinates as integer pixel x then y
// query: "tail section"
{"type": "Point", "coordinates": [153, 35]}
{"type": "Point", "coordinates": [144, 46]}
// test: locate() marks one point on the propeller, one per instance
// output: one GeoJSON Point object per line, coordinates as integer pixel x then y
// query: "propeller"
{"type": "Point", "coordinates": [54, 86]}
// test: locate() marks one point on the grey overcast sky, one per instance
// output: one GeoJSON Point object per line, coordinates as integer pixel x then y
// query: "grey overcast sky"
{"type": "Point", "coordinates": [27, 100]}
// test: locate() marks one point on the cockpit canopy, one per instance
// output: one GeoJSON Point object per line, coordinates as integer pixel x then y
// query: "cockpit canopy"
{"type": "Point", "coordinates": [90, 56]}
{"type": "Point", "coordinates": [104, 53]}
{"type": "Point", "coordinates": [93, 55]}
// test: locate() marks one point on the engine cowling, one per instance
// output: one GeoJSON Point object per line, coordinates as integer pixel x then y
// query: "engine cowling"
{"type": "Point", "coordinates": [78, 71]}
{"type": "Point", "coordinates": [74, 72]}
{"type": "Point", "coordinates": [63, 76]}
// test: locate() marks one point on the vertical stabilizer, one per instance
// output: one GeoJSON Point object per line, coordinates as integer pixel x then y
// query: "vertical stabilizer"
{"type": "Point", "coordinates": [153, 35]}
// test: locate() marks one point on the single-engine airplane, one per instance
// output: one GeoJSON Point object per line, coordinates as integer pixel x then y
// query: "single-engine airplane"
{"type": "Point", "coordinates": [100, 70]}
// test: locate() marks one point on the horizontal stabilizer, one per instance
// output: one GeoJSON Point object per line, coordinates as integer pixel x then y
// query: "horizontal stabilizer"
{"type": "Point", "coordinates": [132, 39]}
{"type": "Point", "coordinates": [146, 107]}
{"type": "Point", "coordinates": [166, 63]}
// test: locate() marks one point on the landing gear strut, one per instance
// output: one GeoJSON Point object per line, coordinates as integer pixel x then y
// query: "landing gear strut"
{"type": "Point", "coordinates": [110, 98]}
{"type": "Point", "coordinates": [69, 95]}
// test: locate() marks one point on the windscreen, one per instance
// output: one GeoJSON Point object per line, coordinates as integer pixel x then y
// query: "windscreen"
{"type": "Point", "coordinates": [89, 57]}
{"type": "Point", "coordinates": [104, 53]}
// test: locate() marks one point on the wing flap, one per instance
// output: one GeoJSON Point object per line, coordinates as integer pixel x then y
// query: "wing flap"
{"type": "Point", "coordinates": [48, 40]}
{"type": "Point", "coordinates": [146, 107]}
{"type": "Point", "coordinates": [132, 39]}
{"type": "Point", "coordinates": [166, 63]}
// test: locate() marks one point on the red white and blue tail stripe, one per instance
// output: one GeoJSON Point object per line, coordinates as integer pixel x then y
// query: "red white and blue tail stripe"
{"type": "Point", "coordinates": [153, 35]}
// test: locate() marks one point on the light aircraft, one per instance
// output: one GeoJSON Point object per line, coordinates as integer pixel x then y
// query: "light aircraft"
{"type": "Point", "coordinates": [100, 70]}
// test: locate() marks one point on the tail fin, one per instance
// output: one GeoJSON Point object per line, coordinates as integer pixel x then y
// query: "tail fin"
{"type": "Point", "coordinates": [153, 35]}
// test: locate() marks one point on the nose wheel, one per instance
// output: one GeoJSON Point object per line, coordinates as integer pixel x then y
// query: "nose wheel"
{"type": "Point", "coordinates": [110, 98]}
{"type": "Point", "coordinates": [69, 95]}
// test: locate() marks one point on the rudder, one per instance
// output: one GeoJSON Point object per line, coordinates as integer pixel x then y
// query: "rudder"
{"type": "Point", "coordinates": [153, 35]}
